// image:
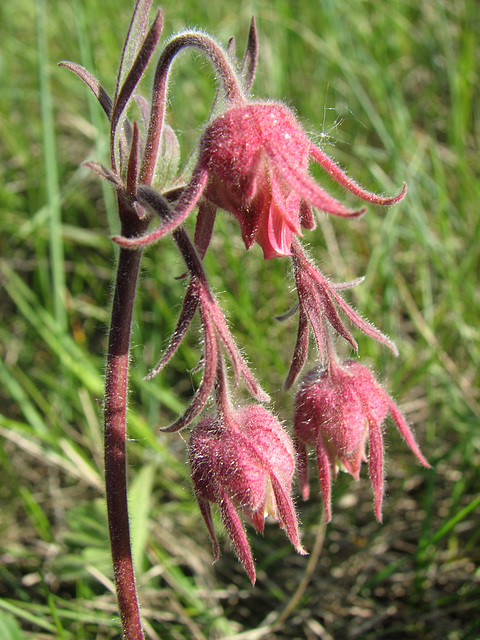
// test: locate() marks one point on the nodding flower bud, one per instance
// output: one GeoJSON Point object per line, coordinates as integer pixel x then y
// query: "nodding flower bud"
{"type": "Point", "coordinates": [338, 410]}
{"type": "Point", "coordinates": [244, 461]}
{"type": "Point", "coordinates": [257, 157]}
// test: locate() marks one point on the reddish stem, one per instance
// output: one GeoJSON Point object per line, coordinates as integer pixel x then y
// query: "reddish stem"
{"type": "Point", "coordinates": [223, 69]}
{"type": "Point", "coordinates": [115, 434]}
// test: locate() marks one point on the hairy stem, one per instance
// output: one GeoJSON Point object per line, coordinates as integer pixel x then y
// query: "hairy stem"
{"type": "Point", "coordinates": [115, 437]}
{"type": "Point", "coordinates": [225, 72]}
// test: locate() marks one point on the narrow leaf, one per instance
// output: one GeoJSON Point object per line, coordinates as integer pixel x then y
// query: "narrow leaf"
{"type": "Point", "coordinates": [92, 83]}
{"type": "Point", "coordinates": [136, 34]}
{"type": "Point", "coordinates": [105, 173]}
{"type": "Point", "coordinates": [249, 62]}
{"type": "Point", "coordinates": [136, 71]}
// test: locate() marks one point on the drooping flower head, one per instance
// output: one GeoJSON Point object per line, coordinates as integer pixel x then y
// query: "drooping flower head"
{"type": "Point", "coordinates": [252, 161]}
{"type": "Point", "coordinates": [338, 410]}
{"type": "Point", "coordinates": [244, 461]}
{"type": "Point", "coordinates": [257, 158]}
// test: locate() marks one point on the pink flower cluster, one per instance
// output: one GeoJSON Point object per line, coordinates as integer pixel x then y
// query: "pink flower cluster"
{"type": "Point", "coordinates": [253, 162]}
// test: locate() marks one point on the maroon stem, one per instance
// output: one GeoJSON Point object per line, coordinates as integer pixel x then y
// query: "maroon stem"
{"type": "Point", "coordinates": [115, 437]}
{"type": "Point", "coordinates": [223, 69]}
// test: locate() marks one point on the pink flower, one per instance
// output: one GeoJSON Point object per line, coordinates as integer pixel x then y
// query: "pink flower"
{"type": "Point", "coordinates": [253, 162]}
{"type": "Point", "coordinates": [244, 460]}
{"type": "Point", "coordinates": [338, 410]}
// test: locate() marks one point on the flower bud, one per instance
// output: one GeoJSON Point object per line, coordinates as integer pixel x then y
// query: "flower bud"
{"type": "Point", "coordinates": [338, 410]}
{"type": "Point", "coordinates": [244, 461]}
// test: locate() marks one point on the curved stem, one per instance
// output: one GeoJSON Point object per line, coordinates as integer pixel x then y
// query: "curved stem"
{"type": "Point", "coordinates": [115, 437]}
{"type": "Point", "coordinates": [218, 58]}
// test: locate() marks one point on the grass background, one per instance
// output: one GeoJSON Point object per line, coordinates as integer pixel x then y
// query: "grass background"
{"type": "Point", "coordinates": [389, 89]}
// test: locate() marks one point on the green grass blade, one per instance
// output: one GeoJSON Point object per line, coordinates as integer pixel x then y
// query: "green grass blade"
{"type": "Point", "coordinates": [57, 268]}
{"type": "Point", "coordinates": [9, 629]}
{"type": "Point", "coordinates": [96, 116]}
{"type": "Point", "coordinates": [72, 357]}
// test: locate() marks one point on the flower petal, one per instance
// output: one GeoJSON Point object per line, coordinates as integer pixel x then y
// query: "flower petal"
{"type": "Point", "coordinates": [204, 227]}
{"type": "Point", "coordinates": [302, 467]}
{"type": "Point", "coordinates": [190, 305]}
{"type": "Point", "coordinates": [324, 472]}
{"type": "Point", "coordinates": [286, 514]}
{"type": "Point", "coordinates": [300, 351]}
{"type": "Point", "coordinates": [306, 188]}
{"type": "Point", "coordinates": [288, 205]}
{"type": "Point", "coordinates": [201, 397]}
{"type": "Point", "coordinates": [274, 234]}
{"type": "Point", "coordinates": [237, 535]}
{"type": "Point", "coordinates": [406, 431]}
{"type": "Point", "coordinates": [367, 328]}
{"type": "Point", "coordinates": [211, 308]}
{"type": "Point", "coordinates": [206, 512]}
{"type": "Point", "coordinates": [375, 463]}
{"type": "Point", "coordinates": [341, 177]}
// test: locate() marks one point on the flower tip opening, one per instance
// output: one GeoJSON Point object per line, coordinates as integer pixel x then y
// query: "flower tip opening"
{"type": "Point", "coordinates": [357, 213]}
{"type": "Point", "coordinates": [387, 201]}
{"type": "Point", "coordinates": [301, 550]}
{"type": "Point", "coordinates": [402, 194]}
{"type": "Point", "coordinates": [390, 345]}
{"type": "Point", "coordinates": [393, 348]}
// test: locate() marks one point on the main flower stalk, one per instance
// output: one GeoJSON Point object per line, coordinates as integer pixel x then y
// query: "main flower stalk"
{"type": "Point", "coordinates": [116, 391]}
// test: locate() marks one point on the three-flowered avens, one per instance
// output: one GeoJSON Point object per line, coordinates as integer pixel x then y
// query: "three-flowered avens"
{"type": "Point", "coordinates": [252, 160]}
